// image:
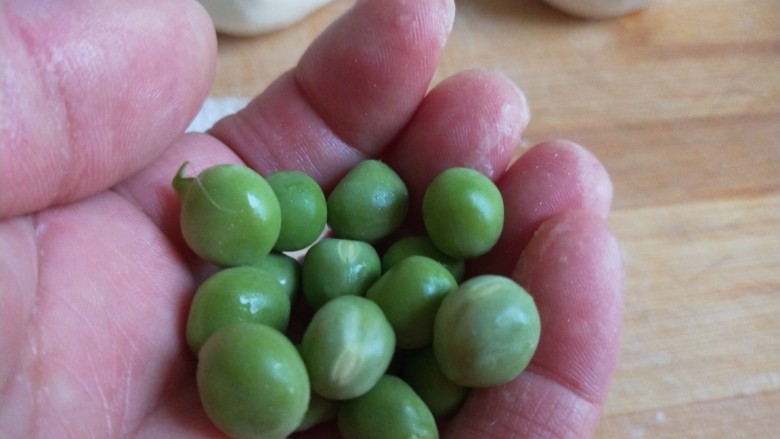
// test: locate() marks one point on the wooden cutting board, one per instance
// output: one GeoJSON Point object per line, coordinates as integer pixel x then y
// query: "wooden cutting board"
{"type": "Point", "coordinates": [682, 104]}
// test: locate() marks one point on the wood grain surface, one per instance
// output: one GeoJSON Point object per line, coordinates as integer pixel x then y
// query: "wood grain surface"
{"type": "Point", "coordinates": [681, 102]}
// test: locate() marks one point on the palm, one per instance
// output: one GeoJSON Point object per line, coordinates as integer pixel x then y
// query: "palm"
{"type": "Point", "coordinates": [103, 347]}
{"type": "Point", "coordinates": [95, 292]}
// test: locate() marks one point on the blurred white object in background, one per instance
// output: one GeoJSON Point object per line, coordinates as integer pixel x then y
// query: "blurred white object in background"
{"type": "Point", "coordinates": [214, 109]}
{"type": "Point", "coordinates": [599, 8]}
{"type": "Point", "coordinates": [253, 17]}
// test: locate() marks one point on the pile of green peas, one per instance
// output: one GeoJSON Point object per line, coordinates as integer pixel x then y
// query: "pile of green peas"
{"type": "Point", "coordinates": [394, 336]}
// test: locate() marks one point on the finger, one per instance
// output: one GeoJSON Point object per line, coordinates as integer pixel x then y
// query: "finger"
{"type": "Point", "coordinates": [473, 119]}
{"type": "Point", "coordinates": [548, 179]}
{"type": "Point", "coordinates": [93, 91]}
{"type": "Point", "coordinates": [573, 269]}
{"type": "Point", "coordinates": [351, 93]}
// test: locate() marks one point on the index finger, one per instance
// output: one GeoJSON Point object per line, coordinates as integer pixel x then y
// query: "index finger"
{"type": "Point", "coordinates": [353, 90]}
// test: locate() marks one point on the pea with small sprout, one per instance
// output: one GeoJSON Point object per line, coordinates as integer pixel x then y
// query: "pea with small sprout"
{"type": "Point", "coordinates": [229, 214]}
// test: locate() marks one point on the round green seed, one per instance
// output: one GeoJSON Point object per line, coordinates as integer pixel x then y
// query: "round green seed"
{"type": "Point", "coordinates": [421, 246]}
{"type": "Point", "coordinates": [486, 331]}
{"type": "Point", "coordinates": [463, 213]}
{"type": "Point", "coordinates": [390, 410]}
{"type": "Point", "coordinates": [233, 295]}
{"type": "Point", "coordinates": [480, 334]}
{"type": "Point", "coordinates": [368, 203]}
{"type": "Point", "coordinates": [303, 209]}
{"type": "Point", "coordinates": [229, 214]}
{"type": "Point", "coordinates": [338, 267]}
{"type": "Point", "coordinates": [442, 396]}
{"type": "Point", "coordinates": [347, 347]}
{"type": "Point", "coordinates": [286, 270]}
{"type": "Point", "coordinates": [252, 382]}
{"type": "Point", "coordinates": [409, 295]}
{"type": "Point", "coordinates": [320, 410]}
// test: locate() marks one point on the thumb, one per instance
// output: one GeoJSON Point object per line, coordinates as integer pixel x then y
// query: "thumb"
{"type": "Point", "coordinates": [92, 91]}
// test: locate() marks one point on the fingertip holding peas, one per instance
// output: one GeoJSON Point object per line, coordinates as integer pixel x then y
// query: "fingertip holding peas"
{"type": "Point", "coordinates": [411, 303]}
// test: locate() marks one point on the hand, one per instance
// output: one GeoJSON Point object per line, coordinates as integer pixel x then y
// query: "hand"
{"type": "Point", "coordinates": [94, 278]}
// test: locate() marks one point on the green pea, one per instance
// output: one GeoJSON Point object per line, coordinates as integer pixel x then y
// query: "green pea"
{"type": "Point", "coordinates": [286, 270]}
{"type": "Point", "coordinates": [368, 203]}
{"type": "Point", "coordinates": [422, 246]}
{"type": "Point", "coordinates": [229, 214]}
{"type": "Point", "coordinates": [390, 410]}
{"type": "Point", "coordinates": [463, 213]}
{"type": "Point", "coordinates": [232, 295]}
{"type": "Point", "coordinates": [442, 396]}
{"type": "Point", "coordinates": [303, 209]}
{"type": "Point", "coordinates": [486, 331]}
{"type": "Point", "coordinates": [320, 410]}
{"type": "Point", "coordinates": [252, 382]}
{"type": "Point", "coordinates": [347, 347]}
{"type": "Point", "coordinates": [409, 295]}
{"type": "Point", "coordinates": [338, 267]}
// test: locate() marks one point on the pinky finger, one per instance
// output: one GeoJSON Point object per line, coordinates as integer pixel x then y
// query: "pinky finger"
{"type": "Point", "coordinates": [572, 267]}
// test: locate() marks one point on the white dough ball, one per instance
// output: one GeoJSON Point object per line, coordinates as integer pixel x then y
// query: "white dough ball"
{"type": "Point", "coordinates": [252, 17]}
{"type": "Point", "coordinates": [599, 8]}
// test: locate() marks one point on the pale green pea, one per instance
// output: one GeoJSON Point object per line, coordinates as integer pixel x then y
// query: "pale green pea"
{"type": "Point", "coordinates": [486, 331]}
{"type": "Point", "coordinates": [338, 267]}
{"type": "Point", "coordinates": [390, 410]}
{"type": "Point", "coordinates": [347, 347]}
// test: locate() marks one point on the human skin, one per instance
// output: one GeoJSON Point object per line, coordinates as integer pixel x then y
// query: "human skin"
{"type": "Point", "coordinates": [95, 280]}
